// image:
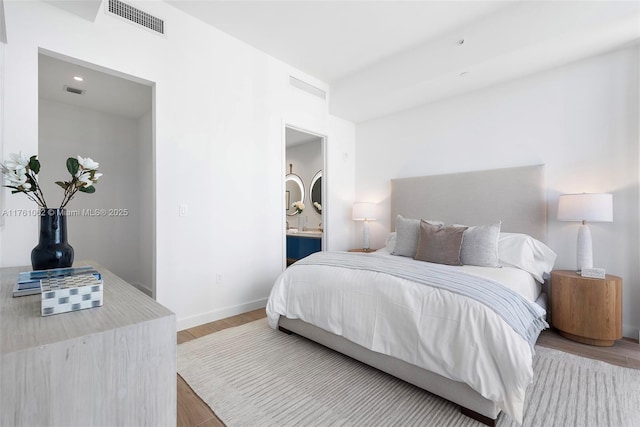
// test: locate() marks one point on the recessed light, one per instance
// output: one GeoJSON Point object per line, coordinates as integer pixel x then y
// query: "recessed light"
{"type": "Point", "coordinates": [78, 78]}
{"type": "Point", "coordinates": [464, 73]}
{"type": "Point", "coordinates": [461, 41]}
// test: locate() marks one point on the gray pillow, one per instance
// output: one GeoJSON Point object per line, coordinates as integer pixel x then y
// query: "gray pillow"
{"type": "Point", "coordinates": [480, 245]}
{"type": "Point", "coordinates": [407, 235]}
{"type": "Point", "coordinates": [440, 245]}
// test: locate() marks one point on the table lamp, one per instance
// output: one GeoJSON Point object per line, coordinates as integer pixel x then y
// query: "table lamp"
{"type": "Point", "coordinates": [585, 207]}
{"type": "Point", "coordinates": [364, 211]}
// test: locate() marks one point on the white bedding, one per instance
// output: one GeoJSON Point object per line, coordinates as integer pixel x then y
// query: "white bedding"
{"type": "Point", "coordinates": [446, 333]}
{"type": "Point", "coordinates": [513, 278]}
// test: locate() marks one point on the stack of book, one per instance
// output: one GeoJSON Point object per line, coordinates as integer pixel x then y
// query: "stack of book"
{"type": "Point", "coordinates": [29, 281]}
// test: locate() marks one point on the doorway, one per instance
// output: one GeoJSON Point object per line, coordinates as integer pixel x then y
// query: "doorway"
{"type": "Point", "coordinates": [305, 186]}
{"type": "Point", "coordinates": [89, 111]}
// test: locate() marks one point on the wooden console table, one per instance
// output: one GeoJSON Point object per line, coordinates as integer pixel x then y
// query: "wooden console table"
{"type": "Point", "coordinates": [113, 365]}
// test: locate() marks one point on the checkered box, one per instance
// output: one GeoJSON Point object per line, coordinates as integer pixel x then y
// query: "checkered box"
{"type": "Point", "coordinates": [70, 293]}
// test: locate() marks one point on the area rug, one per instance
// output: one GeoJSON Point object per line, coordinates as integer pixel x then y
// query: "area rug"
{"type": "Point", "coordinates": [252, 375]}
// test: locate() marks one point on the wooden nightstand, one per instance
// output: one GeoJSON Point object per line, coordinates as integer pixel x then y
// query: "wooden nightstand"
{"type": "Point", "coordinates": [587, 310]}
{"type": "Point", "coordinates": [362, 250]}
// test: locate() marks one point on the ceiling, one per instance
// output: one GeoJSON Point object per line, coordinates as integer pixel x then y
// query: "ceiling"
{"type": "Point", "coordinates": [380, 57]}
{"type": "Point", "coordinates": [295, 137]}
{"type": "Point", "coordinates": [104, 91]}
{"type": "Point", "coordinates": [384, 56]}
{"type": "Point", "coordinates": [332, 39]}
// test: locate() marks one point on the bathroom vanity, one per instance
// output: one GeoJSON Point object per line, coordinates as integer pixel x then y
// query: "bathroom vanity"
{"type": "Point", "coordinates": [302, 243]}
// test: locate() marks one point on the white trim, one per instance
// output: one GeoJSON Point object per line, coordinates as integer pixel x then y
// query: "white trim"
{"type": "Point", "coordinates": [223, 313]}
{"type": "Point", "coordinates": [2, 97]}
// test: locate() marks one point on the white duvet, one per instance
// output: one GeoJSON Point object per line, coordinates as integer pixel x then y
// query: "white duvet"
{"type": "Point", "coordinates": [446, 333]}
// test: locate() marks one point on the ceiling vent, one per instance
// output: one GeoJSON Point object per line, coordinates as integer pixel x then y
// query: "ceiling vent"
{"type": "Point", "coordinates": [74, 90]}
{"type": "Point", "coordinates": [135, 15]}
{"type": "Point", "coordinates": [307, 87]}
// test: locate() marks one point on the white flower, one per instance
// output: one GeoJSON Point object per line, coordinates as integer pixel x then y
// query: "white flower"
{"type": "Point", "coordinates": [88, 164]}
{"type": "Point", "coordinates": [17, 179]}
{"type": "Point", "coordinates": [85, 180]}
{"type": "Point", "coordinates": [17, 162]}
{"type": "Point", "coordinates": [298, 206]}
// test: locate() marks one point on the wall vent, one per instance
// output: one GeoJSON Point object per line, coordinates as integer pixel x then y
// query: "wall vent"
{"type": "Point", "coordinates": [136, 16]}
{"type": "Point", "coordinates": [73, 90]}
{"type": "Point", "coordinates": [307, 87]}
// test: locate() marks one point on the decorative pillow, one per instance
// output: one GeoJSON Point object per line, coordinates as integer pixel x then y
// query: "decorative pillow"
{"type": "Point", "coordinates": [407, 235]}
{"type": "Point", "coordinates": [480, 245]}
{"type": "Point", "coordinates": [439, 244]}
{"type": "Point", "coordinates": [526, 253]}
{"type": "Point", "coordinates": [390, 244]}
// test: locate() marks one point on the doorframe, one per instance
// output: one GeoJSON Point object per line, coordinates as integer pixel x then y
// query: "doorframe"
{"type": "Point", "coordinates": [283, 173]}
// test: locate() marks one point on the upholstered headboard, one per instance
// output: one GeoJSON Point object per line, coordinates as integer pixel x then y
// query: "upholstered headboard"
{"type": "Point", "coordinates": [516, 196]}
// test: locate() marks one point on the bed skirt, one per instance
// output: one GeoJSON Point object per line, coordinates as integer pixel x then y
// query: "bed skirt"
{"type": "Point", "coordinates": [471, 402]}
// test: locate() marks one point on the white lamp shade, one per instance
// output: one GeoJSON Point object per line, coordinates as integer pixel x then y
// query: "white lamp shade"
{"type": "Point", "coordinates": [586, 207]}
{"type": "Point", "coordinates": [364, 211]}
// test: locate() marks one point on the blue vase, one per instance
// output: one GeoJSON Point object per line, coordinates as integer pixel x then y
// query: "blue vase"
{"type": "Point", "coordinates": [53, 250]}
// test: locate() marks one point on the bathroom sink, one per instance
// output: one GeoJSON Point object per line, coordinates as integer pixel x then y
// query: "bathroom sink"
{"type": "Point", "coordinates": [305, 233]}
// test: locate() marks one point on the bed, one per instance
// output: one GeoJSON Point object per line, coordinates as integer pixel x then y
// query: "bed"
{"type": "Point", "coordinates": [465, 333]}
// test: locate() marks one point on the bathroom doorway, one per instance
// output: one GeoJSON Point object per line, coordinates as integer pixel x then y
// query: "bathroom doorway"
{"type": "Point", "coordinates": [304, 187]}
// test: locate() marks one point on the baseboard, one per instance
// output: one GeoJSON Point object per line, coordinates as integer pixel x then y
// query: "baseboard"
{"type": "Point", "coordinates": [142, 288]}
{"type": "Point", "coordinates": [629, 331]}
{"type": "Point", "coordinates": [201, 319]}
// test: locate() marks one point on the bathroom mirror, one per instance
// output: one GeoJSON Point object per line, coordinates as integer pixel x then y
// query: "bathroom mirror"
{"type": "Point", "coordinates": [294, 191]}
{"type": "Point", "coordinates": [315, 192]}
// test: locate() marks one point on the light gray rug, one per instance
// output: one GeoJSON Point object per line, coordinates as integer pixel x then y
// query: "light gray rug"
{"type": "Point", "coordinates": [255, 376]}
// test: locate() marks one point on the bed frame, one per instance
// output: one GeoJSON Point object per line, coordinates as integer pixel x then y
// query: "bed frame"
{"type": "Point", "coordinates": [516, 196]}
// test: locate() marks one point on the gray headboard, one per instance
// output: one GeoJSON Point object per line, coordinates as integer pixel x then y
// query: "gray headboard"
{"type": "Point", "coordinates": [516, 196]}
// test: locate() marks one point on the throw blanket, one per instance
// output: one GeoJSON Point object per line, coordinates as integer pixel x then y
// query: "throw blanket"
{"type": "Point", "coordinates": [526, 318]}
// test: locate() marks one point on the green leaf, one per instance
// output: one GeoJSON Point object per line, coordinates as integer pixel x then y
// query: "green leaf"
{"type": "Point", "coordinates": [73, 166]}
{"type": "Point", "coordinates": [90, 189]}
{"type": "Point", "coordinates": [34, 164]}
{"type": "Point", "coordinates": [64, 185]}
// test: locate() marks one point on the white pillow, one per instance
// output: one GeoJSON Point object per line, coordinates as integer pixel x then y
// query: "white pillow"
{"type": "Point", "coordinates": [407, 235]}
{"type": "Point", "coordinates": [480, 245]}
{"type": "Point", "coordinates": [390, 244]}
{"type": "Point", "coordinates": [526, 253]}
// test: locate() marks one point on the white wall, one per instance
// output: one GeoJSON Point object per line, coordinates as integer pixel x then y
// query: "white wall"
{"type": "Point", "coordinates": [339, 178]}
{"type": "Point", "coordinates": [307, 161]}
{"type": "Point", "coordinates": [2, 62]}
{"type": "Point", "coordinates": [111, 239]}
{"type": "Point", "coordinates": [219, 147]}
{"type": "Point", "coordinates": [580, 120]}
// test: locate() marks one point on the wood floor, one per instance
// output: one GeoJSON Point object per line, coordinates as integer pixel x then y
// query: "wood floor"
{"type": "Point", "coordinates": [192, 411]}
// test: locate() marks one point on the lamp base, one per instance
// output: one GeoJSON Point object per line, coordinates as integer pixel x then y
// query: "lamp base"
{"type": "Point", "coordinates": [365, 236]}
{"type": "Point", "coordinates": [585, 248]}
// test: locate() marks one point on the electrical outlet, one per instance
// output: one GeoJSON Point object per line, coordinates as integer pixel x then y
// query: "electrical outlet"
{"type": "Point", "coordinates": [183, 209]}
{"type": "Point", "coordinates": [218, 279]}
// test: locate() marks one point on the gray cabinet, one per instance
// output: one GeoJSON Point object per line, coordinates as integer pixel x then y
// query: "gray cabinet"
{"type": "Point", "coordinates": [105, 366]}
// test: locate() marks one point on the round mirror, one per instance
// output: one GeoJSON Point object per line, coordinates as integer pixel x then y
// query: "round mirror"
{"type": "Point", "coordinates": [315, 192]}
{"type": "Point", "coordinates": [294, 192]}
